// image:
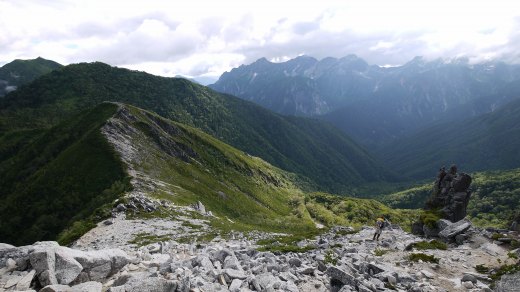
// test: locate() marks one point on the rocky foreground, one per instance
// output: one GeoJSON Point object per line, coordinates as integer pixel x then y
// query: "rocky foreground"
{"type": "Point", "coordinates": [339, 260]}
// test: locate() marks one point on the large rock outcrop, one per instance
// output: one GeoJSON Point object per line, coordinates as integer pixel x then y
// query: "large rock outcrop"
{"type": "Point", "coordinates": [447, 206]}
{"type": "Point", "coordinates": [451, 194]}
{"type": "Point", "coordinates": [51, 266]}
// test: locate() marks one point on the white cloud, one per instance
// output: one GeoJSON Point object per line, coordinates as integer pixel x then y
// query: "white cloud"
{"type": "Point", "coordinates": [195, 37]}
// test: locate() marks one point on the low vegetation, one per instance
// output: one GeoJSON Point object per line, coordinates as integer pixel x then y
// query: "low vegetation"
{"type": "Point", "coordinates": [331, 257]}
{"type": "Point", "coordinates": [425, 245]}
{"type": "Point", "coordinates": [415, 257]}
{"type": "Point", "coordinates": [380, 252]}
{"type": "Point", "coordinates": [494, 201]}
{"type": "Point", "coordinates": [333, 210]}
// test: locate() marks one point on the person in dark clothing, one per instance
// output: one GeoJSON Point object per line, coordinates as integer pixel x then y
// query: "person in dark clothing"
{"type": "Point", "coordinates": [380, 224]}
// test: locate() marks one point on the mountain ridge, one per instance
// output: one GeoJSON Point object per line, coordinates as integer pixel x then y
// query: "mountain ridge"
{"type": "Point", "coordinates": [350, 93]}
{"type": "Point", "coordinates": [294, 144]}
{"type": "Point", "coordinates": [19, 72]}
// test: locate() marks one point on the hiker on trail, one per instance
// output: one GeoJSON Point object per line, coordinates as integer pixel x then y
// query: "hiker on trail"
{"type": "Point", "coordinates": [381, 222]}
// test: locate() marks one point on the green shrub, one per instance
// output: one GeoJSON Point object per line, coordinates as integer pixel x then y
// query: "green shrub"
{"type": "Point", "coordinates": [74, 232]}
{"type": "Point", "coordinates": [379, 252]}
{"type": "Point", "coordinates": [286, 248]}
{"type": "Point", "coordinates": [415, 257]}
{"type": "Point", "coordinates": [482, 269]}
{"type": "Point", "coordinates": [423, 245]}
{"type": "Point", "coordinates": [430, 218]}
{"type": "Point", "coordinates": [331, 258]}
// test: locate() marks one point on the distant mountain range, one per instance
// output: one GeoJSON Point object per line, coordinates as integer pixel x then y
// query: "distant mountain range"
{"type": "Point", "coordinates": [19, 72]}
{"type": "Point", "coordinates": [323, 156]}
{"type": "Point", "coordinates": [373, 104]}
{"type": "Point", "coordinates": [487, 142]}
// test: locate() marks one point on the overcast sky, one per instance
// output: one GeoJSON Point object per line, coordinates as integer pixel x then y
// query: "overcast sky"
{"type": "Point", "coordinates": [206, 38]}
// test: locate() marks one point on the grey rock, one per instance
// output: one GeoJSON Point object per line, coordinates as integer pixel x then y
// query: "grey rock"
{"type": "Point", "coordinates": [231, 262]}
{"type": "Point", "coordinates": [152, 284]}
{"type": "Point", "coordinates": [321, 266]}
{"type": "Point", "coordinates": [339, 277]}
{"type": "Point", "coordinates": [200, 207]}
{"type": "Point", "coordinates": [427, 274]}
{"type": "Point", "coordinates": [235, 285]}
{"type": "Point", "coordinates": [101, 264]}
{"type": "Point", "coordinates": [255, 285]}
{"type": "Point", "coordinates": [377, 283]}
{"type": "Point", "coordinates": [288, 276]}
{"type": "Point", "coordinates": [347, 289]}
{"type": "Point", "coordinates": [374, 269]}
{"type": "Point", "coordinates": [468, 285]}
{"type": "Point", "coordinates": [363, 288]}
{"type": "Point", "coordinates": [460, 238]}
{"type": "Point", "coordinates": [265, 280]}
{"type": "Point", "coordinates": [56, 288]}
{"type": "Point", "coordinates": [392, 280]}
{"type": "Point", "coordinates": [117, 289]}
{"type": "Point", "coordinates": [430, 232]}
{"type": "Point", "coordinates": [306, 270]}
{"type": "Point", "coordinates": [43, 261]}
{"type": "Point", "coordinates": [404, 277]}
{"type": "Point", "coordinates": [88, 287]}
{"type": "Point", "coordinates": [417, 228]}
{"type": "Point", "coordinates": [289, 287]}
{"type": "Point", "coordinates": [204, 262]}
{"type": "Point", "coordinates": [25, 282]}
{"type": "Point", "coordinates": [508, 283]}
{"type": "Point", "coordinates": [442, 224]}
{"type": "Point", "coordinates": [10, 264]}
{"type": "Point", "coordinates": [5, 246]}
{"type": "Point", "coordinates": [19, 254]}
{"type": "Point", "coordinates": [235, 274]}
{"type": "Point", "coordinates": [222, 254]}
{"type": "Point", "coordinates": [468, 277]}
{"type": "Point", "coordinates": [12, 281]}
{"type": "Point", "coordinates": [454, 229]}
{"type": "Point", "coordinates": [273, 267]}
{"type": "Point", "coordinates": [296, 262]}
{"type": "Point", "coordinates": [66, 267]}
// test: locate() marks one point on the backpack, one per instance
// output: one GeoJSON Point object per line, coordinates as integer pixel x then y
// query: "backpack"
{"type": "Point", "coordinates": [380, 224]}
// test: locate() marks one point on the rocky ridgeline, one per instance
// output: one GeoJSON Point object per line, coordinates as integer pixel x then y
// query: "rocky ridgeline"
{"type": "Point", "coordinates": [129, 254]}
{"type": "Point", "coordinates": [349, 262]}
